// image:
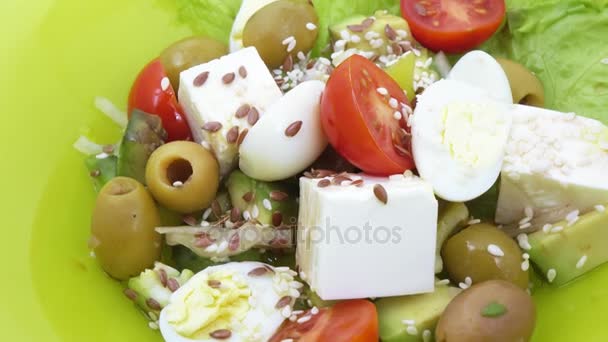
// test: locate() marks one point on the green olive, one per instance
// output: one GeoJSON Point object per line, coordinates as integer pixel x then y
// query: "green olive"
{"type": "Point", "coordinates": [475, 253]}
{"type": "Point", "coordinates": [189, 52]}
{"type": "Point", "coordinates": [525, 87]}
{"type": "Point", "coordinates": [123, 228]}
{"type": "Point", "coordinates": [492, 311]}
{"type": "Point", "coordinates": [183, 176]}
{"type": "Point", "coordinates": [270, 29]}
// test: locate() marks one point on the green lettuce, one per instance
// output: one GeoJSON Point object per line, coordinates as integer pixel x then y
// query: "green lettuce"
{"type": "Point", "coordinates": [565, 43]}
{"type": "Point", "coordinates": [214, 18]}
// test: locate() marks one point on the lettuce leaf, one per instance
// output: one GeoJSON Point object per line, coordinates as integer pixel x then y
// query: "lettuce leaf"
{"type": "Point", "coordinates": [214, 18]}
{"type": "Point", "coordinates": [565, 42]}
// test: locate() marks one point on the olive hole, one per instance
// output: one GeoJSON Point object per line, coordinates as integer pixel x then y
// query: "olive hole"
{"type": "Point", "coordinates": [180, 170]}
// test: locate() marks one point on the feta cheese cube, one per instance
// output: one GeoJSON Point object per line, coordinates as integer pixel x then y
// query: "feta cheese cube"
{"type": "Point", "coordinates": [234, 80]}
{"type": "Point", "coordinates": [352, 245]}
{"type": "Point", "coordinates": [555, 163]}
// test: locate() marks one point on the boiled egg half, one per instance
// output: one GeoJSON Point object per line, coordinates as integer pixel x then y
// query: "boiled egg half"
{"type": "Point", "coordinates": [238, 301]}
{"type": "Point", "coordinates": [459, 136]}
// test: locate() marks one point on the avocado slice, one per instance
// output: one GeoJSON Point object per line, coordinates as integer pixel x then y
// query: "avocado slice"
{"type": "Point", "coordinates": [424, 310]}
{"type": "Point", "coordinates": [573, 251]}
{"type": "Point", "coordinates": [151, 292]}
{"type": "Point", "coordinates": [279, 195]}
{"type": "Point", "coordinates": [101, 170]}
{"type": "Point", "coordinates": [144, 134]}
{"type": "Point", "coordinates": [452, 217]}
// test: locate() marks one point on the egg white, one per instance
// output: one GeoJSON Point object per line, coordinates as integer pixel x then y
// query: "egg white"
{"type": "Point", "coordinates": [263, 314]}
{"type": "Point", "coordinates": [481, 70]}
{"type": "Point", "coordinates": [268, 154]}
{"type": "Point", "coordinates": [459, 136]}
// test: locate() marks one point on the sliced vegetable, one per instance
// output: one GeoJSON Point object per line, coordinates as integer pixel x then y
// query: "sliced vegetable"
{"type": "Point", "coordinates": [452, 217]}
{"type": "Point", "coordinates": [152, 93]}
{"type": "Point", "coordinates": [453, 26]}
{"type": "Point", "coordinates": [144, 134]}
{"type": "Point", "coordinates": [364, 114]}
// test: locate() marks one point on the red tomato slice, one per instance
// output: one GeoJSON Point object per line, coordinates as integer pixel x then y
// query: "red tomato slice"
{"type": "Point", "coordinates": [147, 94]}
{"type": "Point", "coordinates": [453, 26]}
{"type": "Point", "coordinates": [359, 121]}
{"type": "Point", "coordinates": [348, 321]}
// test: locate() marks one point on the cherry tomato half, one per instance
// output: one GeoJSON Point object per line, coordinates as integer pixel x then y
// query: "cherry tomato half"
{"type": "Point", "coordinates": [453, 26]}
{"type": "Point", "coordinates": [363, 115]}
{"type": "Point", "coordinates": [348, 321]}
{"type": "Point", "coordinates": [152, 93]}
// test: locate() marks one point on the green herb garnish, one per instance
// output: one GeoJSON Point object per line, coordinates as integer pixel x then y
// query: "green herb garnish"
{"type": "Point", "coordinates": [493, 310]}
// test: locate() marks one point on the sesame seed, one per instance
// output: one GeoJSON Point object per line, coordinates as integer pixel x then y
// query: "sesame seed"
{"type": "Point", "coordinates": [376, 43]}
{"type": "Point", "coordinates": [286, 312]}
{"type": "Point", "coordinates": [304, 319]}
{"type": "Point", "coordinates": [102, 155]}
{"type": "Point", "coordinates": [551, 274]}
{"type": "Point", "coordinates": [205, 224]}
{"type": "Point", "coordinates": [153, 325]}
{"type": "Point", "coordinates": [526, 256]}
{"type": "Point", "coordinates": [600, 208]}
{"type": "Point", "coordinates": [288, 339]}
{"type": "Point", "coordinates": [255, 212]}
{"type": "Point", "coordinates": [525, 265]}
{"type": "Point", "coordinates": [468, 281]}
{"type": "Point", "coordinates": [581, 262]}
{"type": "Point", "coordinates": [529, 211]}
{"type": "Point", "coordinates": [165, 83]}
{"type": "Point", "coordinates": [572, 215]}
{"type": "Point", "coordinates": [547, 228]}
{"type": "Point", "coordinates": [525, 220]}
{"type": "Point", "coordinates": [301, 55]}
{"type": "Point", "coordinates": [311, 26]}
{"type": "Point", "coordinates": [402, 33]}
{"type": "Point", "coordinates": [246, 215]}
{"type": "Point", "coordinates": [495, 250]}
{"type": "Point", "coordinates": [523, 242]}
{"type": "Point", "coordinates": [355, 39]}
{"type": "Point", "coordinates": [443, 282]}
{"type": "Point", "coordinates": [473, 221]}
{"type": "Point", "coordinates": [344, 34]}
{"type": "Point", "coordinates": [382, 91]}
{"type": "Point", "coordinates": [463, 286]}
{"type": "Point", "coordinates": [557, 229]}
{"type": "Point", "coordinates": [291, 46]}
{"type": "Point", "coordinates": [292, 318]}
{"type": "Point", "coordinates": [314, 310]}
{"type": "Point", "coordinates": [408, 174]}
{"type": "Point", "coordinates": [178, 184]}
{"type": "Point", "coordinates": [393, 103]}
{"type": "Point", "coordinates": [211, 248]}
{"type": "Point", "coordinates": [411, 330]}
{"type": "Point", "coordinates": [288, 40]}
{"type": "Point", "coordinates": [408, 322]}
{"type": "Point", "coordinates": [371, 35]}
{"type": "Point", "coordinates": [266, 203]}
{"type": "Point", "coordinates": [525, 225]}
{"type": "Point", "coordinates": [397, 115]}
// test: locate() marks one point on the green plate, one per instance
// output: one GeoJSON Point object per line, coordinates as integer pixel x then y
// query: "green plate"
{"type": "Point", "coordinates": [56, 57]}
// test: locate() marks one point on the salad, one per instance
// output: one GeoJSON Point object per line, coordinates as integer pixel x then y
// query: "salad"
{"type": "Point", "coordinates": [356, 172]}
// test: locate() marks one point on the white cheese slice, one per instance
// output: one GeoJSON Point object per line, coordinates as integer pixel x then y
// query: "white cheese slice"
{"type": "Point", "coordinates": [555, 163]}
{"type": "Point", "coordinates": [216, 101]}
{"type": "Point", "coordinates": [351, 245]}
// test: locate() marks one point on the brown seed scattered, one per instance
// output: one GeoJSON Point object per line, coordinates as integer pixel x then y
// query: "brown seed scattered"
{"type": "Point", "coordinates": [153, 304]}
{"type": "Point", "coordinates": [234, 242]}
{"type": "Point", "coordinates": [358, 183]}
{"type": "Point", "coordinates": [203, 240]}
{"type": "Point", "coordinates": [242, 136]}
{"type": "Point", "coordinates": [380, 193]}
{"type": "Point", "coordinates": [309, 174]}
{"type": "Point", "coordinates": [242, 111]}
{"type": "Point", "coordinates": [277, 218]}
{"type": "Point", "coordinates": [293, 128]}
{"type": "Point", "coordinates": [173, 284]}
{"type": "Point", "coordinates": [214, 284]}
{"type": "Point", "coordinates": [279, 81]}
{"type": "Point", "coordinates": [402, 151]}
{"type": "Point", "coordinates": [324, 173]}
{"type": "Point", "coordinates": [232, 135]}
{"type": "Point", "coordinates": [356, 28]}
{"type": "Point", "coordinates": [405, 45]}
{"type": "Point", "coordinates": [390, 32]}
{"type": "Point", "coordinates": [189, 220]}
{"type": "Point", "coordinates": [253, 116]}
{"type": "Point", "coordinates": [311, 64]}
{"type": "Point", "coordinates": [212, 126]}
{"type": "Point", "coordinates": [278, 196]}
{"type": "Point", "coordinates": [397, 49]}
{"type": "Point", "coordinates": [248, 196]}
{"type": "Point", "coordinates": [131, 294]}
{"type": "Point", "coordinates": [221, 334]}
{"type": "Point", "coordinates": [368, 22]}
{"type": "Point", "coordinates": [235, 215]}
{"type": "Point", "coordinates": [339, 179]}
{"type": "Point", "coordinates": [162, 274]}
{"type": "Point", "coordinates": [228, 78]}
{"type": "Point", "coordinates": [201, 79]}
{"type": "Point", "coordinates": [324, 183]}
{"type": "Point", "coordinates": [216, 208]}
{"type": "Point", "coordinates": [243, 72]}
{"type": "Point", "coordinates": [258, 271]}
{"type": "Point", "coordinates": [95, 173]}
{"type": "Point", "coordinates": [288, 64]}
{"type": "Point", "coordinates": [283, 302]}
{"type": "Point", "coordinates": [375, 58]}
{"type": "Point", "coordinates": [109, 149]}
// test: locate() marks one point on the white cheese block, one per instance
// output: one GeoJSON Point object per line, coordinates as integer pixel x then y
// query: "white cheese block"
{"type": "Point", "coordinates": [555, 163]}
{"type": "Point", "coordinates": [216, 101]}
{"type": "Point", "coordinates": [351, 245]}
